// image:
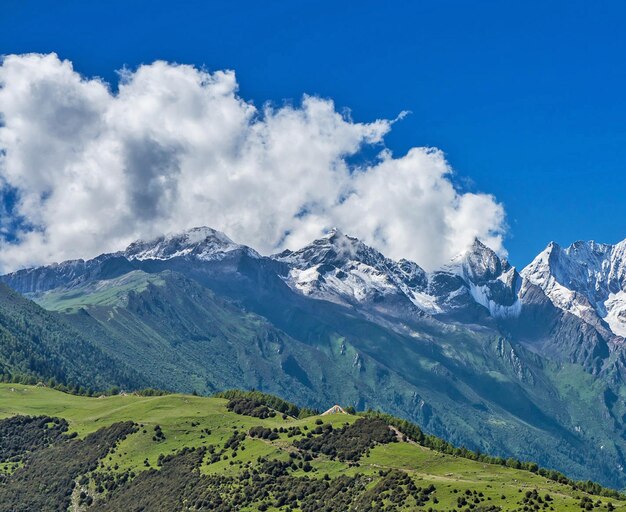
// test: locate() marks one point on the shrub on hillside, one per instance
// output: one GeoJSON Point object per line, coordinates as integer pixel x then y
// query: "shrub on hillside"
{"type": "Point", "coordinates": [271, 401]}
{"type": "Point", "coordinates": [349, 442]}
{"type": "Point", "coordinates": [21, 435]}
{"type": "Point", "coordinates": [250, 407]}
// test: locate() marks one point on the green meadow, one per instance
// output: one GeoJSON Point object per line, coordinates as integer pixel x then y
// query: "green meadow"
{"type": "Point", "coordinates": [192, 421]}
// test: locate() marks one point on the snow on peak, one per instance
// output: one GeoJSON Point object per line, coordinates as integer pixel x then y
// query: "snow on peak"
{"type": "Point", "coordinates": [202, 243]}
{"type": "Point", "coordinates": [334, 248]}
{"type": "Point", "coordinates": [341, 268]}
{"type": "Point", "coordinates": [478, 264]}
{"type": "Point", "coordinates": [587, 279]}
{"type": "Point", "coordinates": [490, 280]}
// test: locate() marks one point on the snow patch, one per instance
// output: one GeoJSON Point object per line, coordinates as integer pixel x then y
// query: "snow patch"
{"type": "Point", "coordinates": [424, 301]}
{"type": "Point", "coordinates": [615, 306]}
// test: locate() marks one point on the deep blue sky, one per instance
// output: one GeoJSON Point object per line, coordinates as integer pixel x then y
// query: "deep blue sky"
{"type": "Point", "coordinates": [527, 99]}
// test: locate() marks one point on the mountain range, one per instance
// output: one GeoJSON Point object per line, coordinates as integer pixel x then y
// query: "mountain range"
{"type": "Point", "coordinates": [528, 364]}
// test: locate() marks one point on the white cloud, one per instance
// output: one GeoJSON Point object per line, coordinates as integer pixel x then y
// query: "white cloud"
{"type": "Point", "coordinates": [176, 147]}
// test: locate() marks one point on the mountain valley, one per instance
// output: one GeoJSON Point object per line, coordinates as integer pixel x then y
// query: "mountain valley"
{"type": "Point", "coordinates": [526, 364]}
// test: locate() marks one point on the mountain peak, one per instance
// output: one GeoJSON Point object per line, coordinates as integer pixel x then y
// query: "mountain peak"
{"type": "Point", "coordinates": [201, 242]}
{"type": "Point", "coordinates": [334, 233]}
{"type": "Point", "coordinates": [341, 268]}
{"type": "Point", "coordinates": [478, 245]}
{"type": "Point", "coordinates": [334, 248]}
{"type": "Point", "coordinates": [338, 237]}
{"type": "Point", "coordinates": [587, 279]}
{"type": "Point", "coordinates": [483, 275]}
{"type": "Point", "coordinates": [478, 263]}
{"type": "Point", "coordinates": [588, 246]}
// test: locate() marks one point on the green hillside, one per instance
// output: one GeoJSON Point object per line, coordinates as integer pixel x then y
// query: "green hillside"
{"type": "Point", "coordinates": [474, 388]}
{"type": "Point", "coordinates": [182, 452]}
{"type": "Point", "coordinates": [41, 345]}
{"type": "Point", "coordinates": [180, 336]}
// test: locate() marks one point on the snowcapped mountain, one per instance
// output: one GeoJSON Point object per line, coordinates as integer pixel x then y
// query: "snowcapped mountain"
{"type": "Point", "coordinates": [201, 243]}
{"type": "Point", "coordinates": [586, 279]}
{"type": "Point", "coordinates": [337, 268]}
{"type": "Point", "coordinates": [342, 269]}
{"type": "Point", "coordinates": [483, 278]}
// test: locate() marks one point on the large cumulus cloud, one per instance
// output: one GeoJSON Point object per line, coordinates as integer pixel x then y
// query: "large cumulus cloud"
{"type": "Point", "coordinates": [86, 170]}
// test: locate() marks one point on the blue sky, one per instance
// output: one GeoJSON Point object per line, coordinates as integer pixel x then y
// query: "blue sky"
{"type": "Point", "coordinates": [526, 99]}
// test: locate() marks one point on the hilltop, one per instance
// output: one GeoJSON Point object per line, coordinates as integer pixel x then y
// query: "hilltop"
{"type": "Point", "coordinates": [184, 452]}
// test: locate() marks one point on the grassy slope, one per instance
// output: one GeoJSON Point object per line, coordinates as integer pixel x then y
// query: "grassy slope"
{"type": "Point", "coordinates": [176, 414]}
{"type": "Point", "coordinates": [178, 335]}
{"type": "Point", "coordinates": [42, 345]}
